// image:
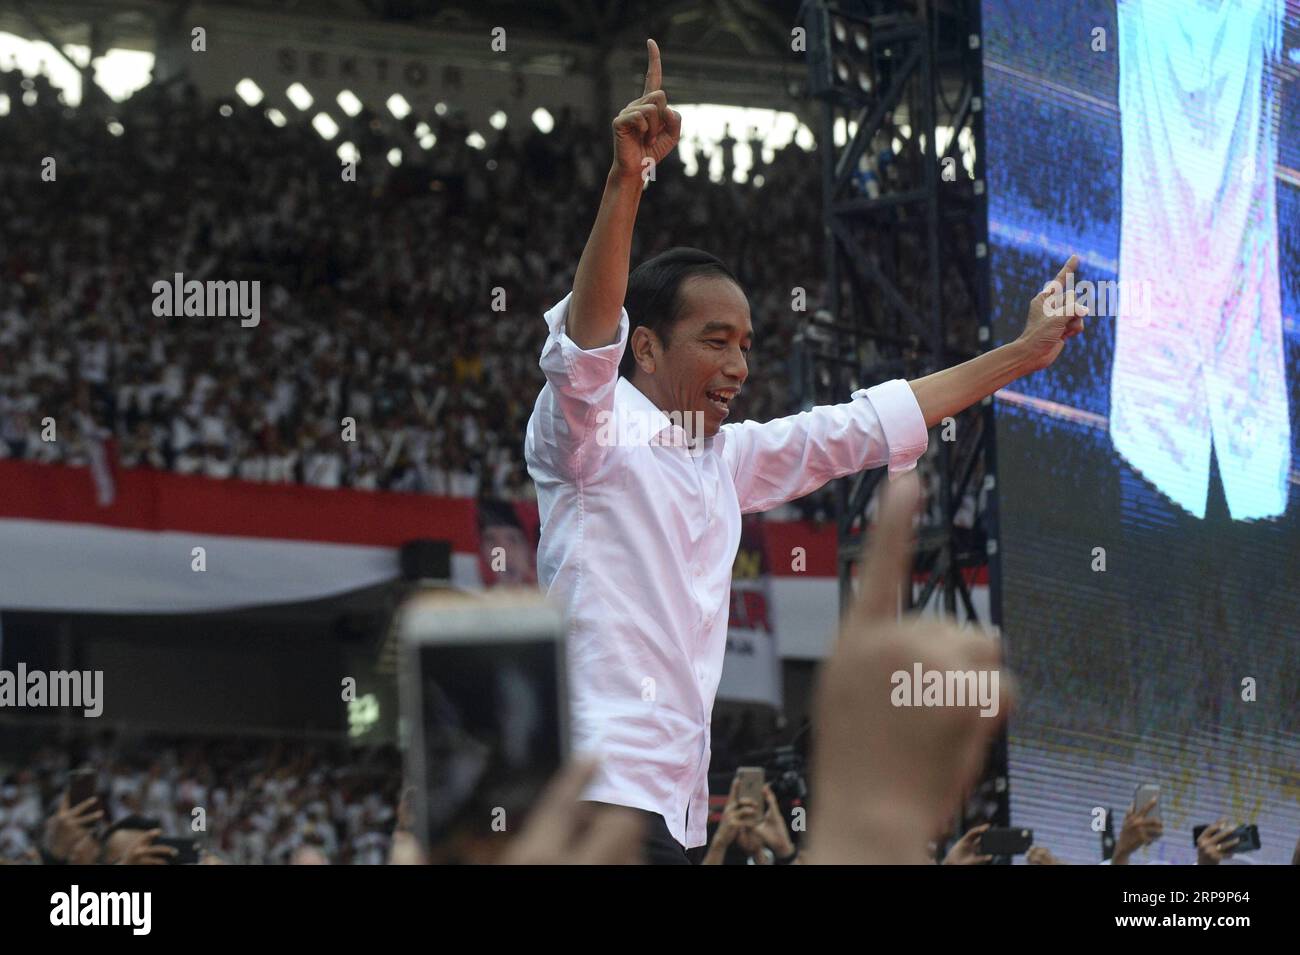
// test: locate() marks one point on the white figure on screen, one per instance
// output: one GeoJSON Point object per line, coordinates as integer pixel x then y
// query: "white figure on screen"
{"type": "Point", "coordinates": [1203, 366]}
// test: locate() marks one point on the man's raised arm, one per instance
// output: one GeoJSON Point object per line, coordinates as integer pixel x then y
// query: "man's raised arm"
{"type": "Point", "coordinates": [1054, 317]}
{"type": "Point", "coordinates": [644, 133]}
{"type": "Point", "coordinates": [786, 458]}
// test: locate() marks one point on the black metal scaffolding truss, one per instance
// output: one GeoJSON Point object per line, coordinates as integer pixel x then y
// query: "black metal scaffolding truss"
{"type": "Point", "coordinates": [906, 260]}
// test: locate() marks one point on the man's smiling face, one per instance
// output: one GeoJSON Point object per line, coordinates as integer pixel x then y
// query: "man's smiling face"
{"type": "Point", "coordinates": [704, 364]}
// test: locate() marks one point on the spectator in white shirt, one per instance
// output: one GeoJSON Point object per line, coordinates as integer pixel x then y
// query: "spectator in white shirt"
{"type": "Point", "coordinates": [639, 531]}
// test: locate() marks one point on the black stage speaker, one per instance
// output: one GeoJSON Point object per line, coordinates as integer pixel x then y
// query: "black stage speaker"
{"type": "Point", "coordinates": [424, 559]}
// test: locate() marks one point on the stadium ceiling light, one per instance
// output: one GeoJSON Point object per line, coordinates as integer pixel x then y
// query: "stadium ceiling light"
{"type": "Point", "coordinates": [348, 152]}
{"type": "Point", "coordinates": [249, 91]}
{"type": "Point", "coordinates": [324, 124]}
{"type": "Point", "coordinates": [398, 106]}
{"type": "Point", "coordinates": [349, 103]}
{"type": "Point", "coordinates": [422, 130]}
{"type": "Point", "coordinates": [498, 120]}
{"type": "Point", "coordinates": [543, 119]}
{"type": "Point", "coordinates": [276, 117]}
{"type": "Point", "coordinates": [440, 109]}
{"type": "Point", "coordinates": [115, 127]}
{"type": "Point", "coordinates": [427, 142]}
{"type": "Point", "coordinates": [475, 141]}
{"type": "Point", "coordinates": [4, 104]}
{"type": "Point", "coordinates": [226, 110]}
{"type": "Point", "coordinates": [844, 70]}
{"type": "Point", "coordinates": [942, 136]}
{"type": "Point", "coordinates": [121, 73]}
{"type": "Point", "coordinates": [394, 156]}
{"type": "Point", "coordinates": [299, 96]}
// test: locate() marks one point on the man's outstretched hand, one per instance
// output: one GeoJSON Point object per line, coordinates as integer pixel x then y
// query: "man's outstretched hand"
{"type": "Point", "coordinates": [888, 777]}
{"type": "Point", "coordinates": [646, 129]}
{"type": "Point", "coordinates": [1055, 316]}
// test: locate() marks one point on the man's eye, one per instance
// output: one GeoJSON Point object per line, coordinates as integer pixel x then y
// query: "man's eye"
{"type": "Point", "coordinates": [720, 342]}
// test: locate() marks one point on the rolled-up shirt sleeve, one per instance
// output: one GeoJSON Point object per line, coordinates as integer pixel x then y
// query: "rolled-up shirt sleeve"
{"type": "Point", "coordinates": [579, 386]}
{"type": "Point", "coordinates": [784, 459]}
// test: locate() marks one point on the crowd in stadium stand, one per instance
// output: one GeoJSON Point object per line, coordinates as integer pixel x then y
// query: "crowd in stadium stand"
{"type": "Point", "coordinates": [263, 802]}
{"type": "Point", "coordinates": [376, 296]}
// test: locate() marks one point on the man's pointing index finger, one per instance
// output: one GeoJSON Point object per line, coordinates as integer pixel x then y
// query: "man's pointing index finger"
{"type": "Point", "coordinates": [654, 74]}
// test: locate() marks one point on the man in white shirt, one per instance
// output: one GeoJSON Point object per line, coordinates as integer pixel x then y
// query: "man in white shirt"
{"type": "Point", "coordinates": [641, 487]}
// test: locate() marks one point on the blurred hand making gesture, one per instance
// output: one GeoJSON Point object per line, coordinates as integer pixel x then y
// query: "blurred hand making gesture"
{"type": "Point", "coordinates": [888, 777]}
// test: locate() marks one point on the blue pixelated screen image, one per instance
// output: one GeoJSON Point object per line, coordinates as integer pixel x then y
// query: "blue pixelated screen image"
{"type": "Point", "coordinates": [1148, 527]}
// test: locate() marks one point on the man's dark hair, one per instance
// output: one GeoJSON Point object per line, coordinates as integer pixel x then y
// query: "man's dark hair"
{"type": "Point", "coordinates": [132, 823]}
{"type": "Point", "coordinates": [653, 298]}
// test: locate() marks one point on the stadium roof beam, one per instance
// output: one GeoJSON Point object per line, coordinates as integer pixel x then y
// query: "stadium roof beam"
{"type": "Point", "coordinates": [605, 22]}
{"type": "Point", "coordinates": [96, 44]}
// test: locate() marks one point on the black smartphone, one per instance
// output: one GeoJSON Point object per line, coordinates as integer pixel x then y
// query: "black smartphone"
{"type": "Point", "coordinates": [1002, 841]}
{"type": "Point", "coordinates": [81, 785]}
{"type": "Point", "coordinates": [484, 705]}
{"type": "Point", "coordinates": [1247, 838]}
{"type": "Point", "coordinates": [187, 849]}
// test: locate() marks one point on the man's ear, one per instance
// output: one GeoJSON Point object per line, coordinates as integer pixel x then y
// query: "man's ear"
{"type": "Point", "coordinates": [645, 348]}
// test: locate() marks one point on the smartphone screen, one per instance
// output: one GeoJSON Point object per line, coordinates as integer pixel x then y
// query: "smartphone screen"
{"type": "Point", "coordinates": [1143, 795]}
{"type": "Point", "coordinates": [1247, 837]}
{"type": "Point", "coordinates": [187, 850]}
{"type": "Point", "coordinates": [1006, 841]}
{"type": "Point", "coordinates": [485, 709]}
{"type": "Point", "coordinates": [751, 785]}
{"type": "Point", "coordinates": [81, 785]}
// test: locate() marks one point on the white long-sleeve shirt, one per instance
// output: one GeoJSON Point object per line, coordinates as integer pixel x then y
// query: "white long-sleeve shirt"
{"type": "Point", "coordinates": [638, 537]}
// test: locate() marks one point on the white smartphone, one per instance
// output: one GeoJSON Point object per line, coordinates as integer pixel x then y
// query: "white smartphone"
{"type": "Point", "coordinates": [484, 703]}
{"type": "Point", "coordinates": [1143, 795]}
{"type": "Point", "coordinates": [751, 786]}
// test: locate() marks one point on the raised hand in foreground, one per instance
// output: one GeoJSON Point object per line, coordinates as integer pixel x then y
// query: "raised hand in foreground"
{"type": "Point", "coordinates": [562, 831]}
{"type": "Point", "coordinates": [886, 777]}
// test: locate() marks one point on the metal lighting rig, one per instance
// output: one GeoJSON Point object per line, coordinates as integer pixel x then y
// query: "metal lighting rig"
{"type": "Point", "coordinates": [900, 85]}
